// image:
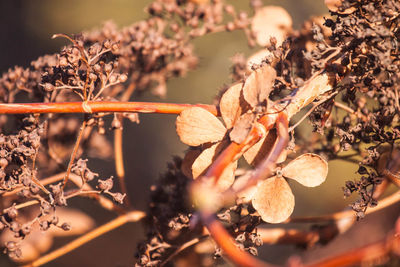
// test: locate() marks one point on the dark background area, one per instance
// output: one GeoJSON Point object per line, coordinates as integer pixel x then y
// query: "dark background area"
{"type": "Point", "coordinates": [25, 31]}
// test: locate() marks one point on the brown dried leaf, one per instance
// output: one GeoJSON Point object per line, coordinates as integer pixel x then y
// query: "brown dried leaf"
{"type": "Point", "coordinates": [271, 21]}
{"type": "Point", "coordinates": [206, 158]}
{"type": "Point", "coordinates": [258, 85]}
{"type": "Point", "coordinates": [258, 152]}
{"type": "Point", "coordinates": [273, 200]}
{"type": "Point", "coordinates": [196, 126]}
{"type": "Point", "coordinates": [242, 127]}
{"type": "Point", "coordinates": [230, 105]}
{"type": "Point", "coordinates": [308, 169]}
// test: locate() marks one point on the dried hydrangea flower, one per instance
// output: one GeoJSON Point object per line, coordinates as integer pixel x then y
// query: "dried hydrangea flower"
{"type": "Point", "coordinates": [238, 105]}
{"type": "Point", "coordinates": [274, 200]}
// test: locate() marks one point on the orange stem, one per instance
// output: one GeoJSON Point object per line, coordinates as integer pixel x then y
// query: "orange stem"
{"type": "Point", "coordinates": [100, 106]}
{"type": "Point", "coordinates": [233, 152]}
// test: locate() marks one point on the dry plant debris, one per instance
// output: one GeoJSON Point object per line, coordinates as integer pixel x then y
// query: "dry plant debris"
{"type": "Point", "coordinates": [342, 70]}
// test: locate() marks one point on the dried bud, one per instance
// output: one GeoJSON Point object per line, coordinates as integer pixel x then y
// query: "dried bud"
{"type": "Point", "coordinates": [66, 226]}
{"type": "Point", "coordinates": [105, 185]}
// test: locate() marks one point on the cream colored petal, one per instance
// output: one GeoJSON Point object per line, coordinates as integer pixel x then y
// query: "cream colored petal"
{"type": "Point", "coordinates": [271, 21]}
{"type": "Point", "coordinates": [79, 221]}
{"type": "Point", "coordinates": [273, 200]}
{"type": "Point", "coordinates": [230, 105]}
{"type": "Point", "coordinates": [258, 85]}
{"type": "Point", "coordinates": [261, 149]}
{"type": "Point", "coordinates": [196, 126]}
{"type": "Point", "coordinates": [308, 169]}
{"type": "Point", "coordinates": [206, 158]}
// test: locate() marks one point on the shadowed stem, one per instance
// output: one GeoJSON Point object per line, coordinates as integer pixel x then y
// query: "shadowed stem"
{"type": "Point", "coordinates": [100, 106]}
{"type": "Point", "coordinates": [132, 216]}
{"type": "Point", "coordinates": [74, 152]}
{"type": "Point", "coordinates": [119, 164]}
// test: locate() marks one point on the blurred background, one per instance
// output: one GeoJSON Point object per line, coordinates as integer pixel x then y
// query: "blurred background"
{"type": "Point", "coordinates": [25, 31]}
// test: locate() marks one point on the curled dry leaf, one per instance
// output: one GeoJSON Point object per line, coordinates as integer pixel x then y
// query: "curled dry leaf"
{"type": "Point", "coordinates": [258, 85]}
{"type": "Point", "coordinates": [271, 21]}
{"type": "Point", "coordinates": [274, 200]}
{"type": "Point", "coordinates": [196, 126]}
{"type": "Point", "coordinates": [242, 127]}
{"type": "Point", "coordinates": [308, 169]}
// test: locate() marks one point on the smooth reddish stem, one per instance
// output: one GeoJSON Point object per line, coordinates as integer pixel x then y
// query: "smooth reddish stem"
{"type": "Point", "coordinates": [233, 152]}
{"type": "Point", "coordinates": [100, 106]}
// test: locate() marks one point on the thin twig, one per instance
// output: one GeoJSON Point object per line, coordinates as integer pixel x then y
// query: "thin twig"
{"type": "Point", "coordinates": [74, 152]}
{"type": "Point", "coordinates": [132, 216]}
{"type": "Point", "coordinates": [388, 201]}
{"type": "Point", "coordinates": [119, 164]}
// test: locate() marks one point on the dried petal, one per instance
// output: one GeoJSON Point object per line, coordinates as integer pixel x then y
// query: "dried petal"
{"type": "Point", "coordinates": [230, 105]}
{"type": "Point", "coordinates": [255, 154]}
{"type": "Point", "coordinates": [188, 160]}
{"type": "Point", "coordinates": [206, 158]}
{"type": "Point", "coordinates": [271, 21]}
{"type": "Point", "coordinates": [273, 200]}
{"type": "Point", "coordinates": [258, 85]}
{"type": "Point", "coordinates": [196, 126]}
{"type": "Point", "coordinates": [242, 127]}
{"type": "Point", "coordinates": [308, 169]}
